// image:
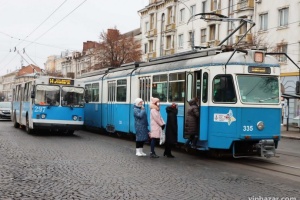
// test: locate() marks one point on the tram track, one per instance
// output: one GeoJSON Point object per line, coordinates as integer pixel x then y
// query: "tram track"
{"type": "Point", "coordinates": [271, 166]}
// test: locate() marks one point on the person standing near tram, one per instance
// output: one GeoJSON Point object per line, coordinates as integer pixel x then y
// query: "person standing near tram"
{"type": "Point", "coordinates": [141, 126]}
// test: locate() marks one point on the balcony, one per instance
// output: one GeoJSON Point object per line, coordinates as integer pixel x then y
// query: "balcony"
{"type": "Point", "coordinates": [151, 55]}
{"type": "Point", "coordinates": [245, 5]}
{"type": "Point", "coordinates": [170, 27]}
{"type": "Point", "coordinates": [169, 51]}
{"type": "Point", "coordinates": [247, 39]}
{"type": "Point", "coordinates": [213, 43]}
{"type": "Point", "coordinates": [152, 32]}
{"type": "Point", "coordinates": [216, 12]}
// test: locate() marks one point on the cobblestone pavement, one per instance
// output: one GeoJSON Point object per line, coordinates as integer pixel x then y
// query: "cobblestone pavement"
{"type": "Point", "coordinates": [93, 166]}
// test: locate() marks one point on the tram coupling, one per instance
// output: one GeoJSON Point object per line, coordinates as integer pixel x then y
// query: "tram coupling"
{"type": "Point", "coordinates": [266, 148]}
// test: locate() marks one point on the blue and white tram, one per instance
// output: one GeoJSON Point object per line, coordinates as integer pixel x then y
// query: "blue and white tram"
{"type": "Point", "coordinates": [238, 95]}
{"type": "Point", "coordinates": [51, 103]}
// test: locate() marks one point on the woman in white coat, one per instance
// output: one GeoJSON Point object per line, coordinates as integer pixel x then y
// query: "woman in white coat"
{"type": "Point", "coordinates": [157, 124]}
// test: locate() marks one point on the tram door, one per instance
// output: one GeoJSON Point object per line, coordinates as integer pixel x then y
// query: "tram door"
{"type": "Point", "coordinates": [192, 90]}
{"type": "Point", "coordinates": [111, 93]}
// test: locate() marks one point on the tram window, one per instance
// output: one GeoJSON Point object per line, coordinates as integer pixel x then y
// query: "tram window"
{"type": "Point", "coordinates": [223, 89]}
{"type": "Point", "coordinates": [93, 92]}
{"type": "Point", "coordinates": [264, 89]}
{"type": "Point", "coordinates": [205, 87]}
{"type": "Point", "coordinates": [160, 87]}
{"type": "Point", "coordinates": [121, 90]}
{"type": "Point", "coordinates": [47, 95]}
{"type": "Point", "coordinates": [144, 88]}
{"type": "Point", "coordinates": [176, 87]}
{"type": "Point", "coordinates": [72, 96]}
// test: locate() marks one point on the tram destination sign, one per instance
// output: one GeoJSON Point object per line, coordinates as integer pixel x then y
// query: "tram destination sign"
{"type": "Point", "coordinates": [259, 70]}
{"type": "Point", "coordinates": [59, 81]}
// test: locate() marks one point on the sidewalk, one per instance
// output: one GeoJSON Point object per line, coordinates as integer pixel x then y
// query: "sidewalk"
{"type": "Point", "coordinates": [292, 133]}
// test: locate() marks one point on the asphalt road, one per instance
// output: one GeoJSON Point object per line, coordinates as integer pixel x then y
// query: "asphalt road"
{"type": "Point", "coordinates": [94, 166]}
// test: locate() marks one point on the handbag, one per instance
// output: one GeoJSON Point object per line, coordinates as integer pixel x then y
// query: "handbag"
{"type": "Point", "coordinates": [162, 138]}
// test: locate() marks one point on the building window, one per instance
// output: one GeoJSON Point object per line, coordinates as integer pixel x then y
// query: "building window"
{"type": "Point", "coordinates": [203, 35]}
{"type": "Point", "coordinates": [190, 37]}
{"type": "Point", "coordinates": [263, 22]}
{"type": "Point", "coordinates": [243, 29]}
{"type": "Point", "coordinates": [145, 48]}
{"type": "Point", "coordinates": [282, 48]}
{"type": "Point", "coordinates": [168, 42]}
{"type": "Point", "coordinates": [203, 6]}
{"type": "Point", "coordinates": [151, 46]}
{"type": "Point", "coordinates": [146, 27]}
{"type": "Point", "coordinates": [193, 10]}
{"type": "Point", "coordinates": [212, 32]}
{"type": "Point", "coordinates": [299, 51]}
{"type": "Point", "coordinates": [151, 21]}
{"type": "Point", "coordinates": [180, 40]}
{"type": "Point", "coordinates": [214, 5]}
{"type": "Point", "coordinates": [283, 17]}
{"type": "Point", "coordinates": [163, 22]}
{"type": "Point", "coordinates": [170, 15]}
{"type": "Point", "coordinates": [182, 13]}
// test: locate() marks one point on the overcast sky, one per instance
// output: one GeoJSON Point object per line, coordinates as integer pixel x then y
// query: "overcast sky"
{"type": "Point", "coordinates": [48, 27]}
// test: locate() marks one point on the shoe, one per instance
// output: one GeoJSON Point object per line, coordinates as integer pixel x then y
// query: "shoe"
{"type": "Point", "coordinates": [169, 155]}
{"type": "Point", "coordinates": [153, 155]}
{"type": "Point", "coordinates": [186, 147]}
{"type": "Point", "coordinates": [141, 151]}
{"type": "Point", "coordinates": [138, 152]}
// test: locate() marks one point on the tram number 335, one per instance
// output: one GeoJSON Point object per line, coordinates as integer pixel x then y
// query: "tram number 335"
{"type": "Point", "coordinates": [247, 128]}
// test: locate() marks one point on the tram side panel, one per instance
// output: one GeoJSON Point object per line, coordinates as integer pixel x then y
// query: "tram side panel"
{"type": "Point", "coordinates": [92, 113]}
{"type": "Point", "coordinates": [57, 117]}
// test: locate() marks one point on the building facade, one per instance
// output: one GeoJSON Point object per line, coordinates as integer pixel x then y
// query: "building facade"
{"type": "Point", "coordinates": [168, 27]}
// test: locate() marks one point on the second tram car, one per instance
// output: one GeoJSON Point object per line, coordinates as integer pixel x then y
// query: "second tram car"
{"type": "Point", "coordinates": [238, 95]}
{"type": "Point", "coordinates": [51, 103]}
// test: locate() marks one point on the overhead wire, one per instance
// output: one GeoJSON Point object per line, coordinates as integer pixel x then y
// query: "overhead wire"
{"type": "Point", "coordinates": [31, 42]}
{"type": "Point", "coordinates": [57, 23]}
{"type": "Point", "coordinates": [43, 22]}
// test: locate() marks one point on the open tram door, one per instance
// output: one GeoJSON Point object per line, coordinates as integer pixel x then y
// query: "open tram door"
{"type": "Point", "coordinates": [197, 87]}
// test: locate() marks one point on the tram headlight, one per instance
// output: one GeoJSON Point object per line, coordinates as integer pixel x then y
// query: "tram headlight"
{"type": "Point", "coordinates": [43, 115]}
{"type": "Point", "coordinates": [260, 125]}
{"type": "Point", "coordinates": [75, 117]}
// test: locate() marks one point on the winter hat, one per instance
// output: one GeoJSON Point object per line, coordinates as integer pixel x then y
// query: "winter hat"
{"type": "Point", "coordinates": [137, 101]}
{"type": "Point", "coordinates": [192, 101]}
{"type": "Point", "coordinates": [154, 100]}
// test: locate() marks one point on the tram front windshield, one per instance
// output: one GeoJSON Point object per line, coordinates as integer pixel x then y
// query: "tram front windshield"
{"type": "Point", "coordinates": [72, 96]}
{"type": "Point", "coordinates": [47, 95]}
{"type": "Point", "coordinates": [258, 89]}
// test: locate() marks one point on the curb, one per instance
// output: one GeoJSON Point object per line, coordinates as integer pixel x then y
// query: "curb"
{"type": "Point", "coordinates": [290, 137]}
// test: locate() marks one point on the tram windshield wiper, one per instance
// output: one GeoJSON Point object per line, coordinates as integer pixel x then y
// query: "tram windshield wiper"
{"type": "Point", "coordinates": [262, 100]}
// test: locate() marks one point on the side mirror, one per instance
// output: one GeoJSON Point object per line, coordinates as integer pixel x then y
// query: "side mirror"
{"type": "Point", "coordinates": [32, 94]}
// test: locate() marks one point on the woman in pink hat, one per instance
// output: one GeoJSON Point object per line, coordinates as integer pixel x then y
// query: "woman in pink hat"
{"type": "Point", "coordinates": [157, 124]}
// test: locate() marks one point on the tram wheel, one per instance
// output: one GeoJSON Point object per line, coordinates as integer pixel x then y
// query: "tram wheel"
{"type": "Point", "coordinates": [16, 124]}
{"type": "Point", "coordinates": [28, 129]}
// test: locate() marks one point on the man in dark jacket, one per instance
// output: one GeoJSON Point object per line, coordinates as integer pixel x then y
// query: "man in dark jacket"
{"type": "Point", "coordinates": [192, 123]}
{"type": "Point", "coordinates": [171, 129]}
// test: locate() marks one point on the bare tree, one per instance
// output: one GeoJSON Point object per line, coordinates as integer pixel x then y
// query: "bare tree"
{"type": "Point", "coordinates": [116, 49]}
